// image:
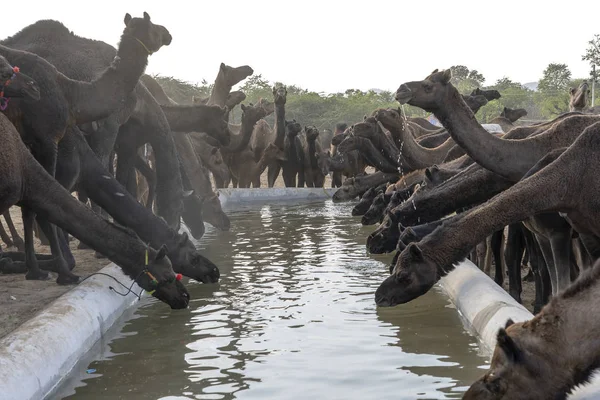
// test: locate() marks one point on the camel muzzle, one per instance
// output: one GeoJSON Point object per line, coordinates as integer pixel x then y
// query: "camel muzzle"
{"type": "Point", "coordinates": [403, 94]}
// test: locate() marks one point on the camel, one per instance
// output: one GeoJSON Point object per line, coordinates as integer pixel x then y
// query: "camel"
{"type": "Point", "coordinates": [488, 94]}
{"type": "Point", "coordinates": [348, 165]}
{"type": "Point", "coordinates": [26, 183]}
{"type": "Point", "coordinates": [138, 120]}
{"type": "Point", "coordinates": [211, 120]}
{"type": "Point", "coordinates": [578, 97]}
{"type": "Point", "coordinates": [67, 101]}
{"type": "Point", "coordinates": [571, 171]}
{"type": "Point", "coordinates": [308, 147]}
{"type": "Point", "coordinates": [548, 356]}
{"type": "Point", "coordinates": [366, 200]}
{"type": "Point", "coordinates": [262, 136]}
{"type": "Point", "coordinates": [423, 123]}
{"type": "Point", "coordinates": [82, 170]}
{"type": "Point", "coordinates": [356, 186]}
{"type": "Point", "coordinates": [507, 118]}
{"type": "Point", "coordinates": [251, 171]}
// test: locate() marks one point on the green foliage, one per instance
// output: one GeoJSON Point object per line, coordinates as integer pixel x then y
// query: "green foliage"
{"type": "Point", "coordinates": [556, 79]}
{"type": "Point", "coordinates": [592, 54]}
{"type": "Point", "coordinates": [181, 91]}
{"type": "Point", "coordinates": [305, 106]}
{"type": "Point", "coordinates": [464, 79]}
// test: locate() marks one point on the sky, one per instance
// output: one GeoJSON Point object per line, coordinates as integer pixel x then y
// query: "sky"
{"type": "Point", "coordinates": [330, 46]}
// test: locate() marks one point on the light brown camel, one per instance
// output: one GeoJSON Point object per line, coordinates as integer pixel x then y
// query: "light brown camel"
{"type": "Point", "coordinates": [578, 97]}
{"type": "Point", "coordinates": [508, 117]}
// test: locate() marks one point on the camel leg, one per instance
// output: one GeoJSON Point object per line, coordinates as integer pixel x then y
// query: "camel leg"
{"type": "Point", "coordinates": [5, 237]}
{"type": "Point", "coordinates": [546, 249]}
{"type": "Point", "coordinates": [33, 269]}
{"type": "Point", "coordinates": [513, 253]}
{"type": "Point", "coordinates": [16, 239]}
{"type": "Point", "coordinates": [496, 246]}
{"type": "Point", "coordinates": [537, 263]}
{"type": "Point", "coordinates": [308, 179]}
{"type": "Point", "coordinates": [273, 173]}
{"type": "Point", "coordinates": [487, 259]}
{"type": "Point", "coordinates": [561, 251]}
{"type": "Point", "coordinates": [58, 248]}
{"type": "Point", "coordinates": [150, 177]}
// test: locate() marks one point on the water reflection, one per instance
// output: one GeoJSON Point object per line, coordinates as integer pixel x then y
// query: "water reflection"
{"type": "Point", "coordinates": [292, 318]}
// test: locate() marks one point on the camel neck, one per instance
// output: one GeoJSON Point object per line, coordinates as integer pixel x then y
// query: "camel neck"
{"type": "Point", "coordinates": [279, 125]}
{"type": "Point", "coordinates": [187, 118]}
{"type": "Point", "coordinates": [508, 158]}
{"type": "Point", "coordinates": [240, 141]}
{"type": "Point", "coordinates": [91, 101]}
{"type": "Point", "coordinates": [56, 204]}
{"type": "Point", "coordinates": [220, 91]}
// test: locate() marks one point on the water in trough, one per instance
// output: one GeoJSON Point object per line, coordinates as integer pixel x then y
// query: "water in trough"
{"type": "Point", "coordinates": [293, 318]}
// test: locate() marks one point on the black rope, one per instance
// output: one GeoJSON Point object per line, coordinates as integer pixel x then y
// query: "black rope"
{"type": "Point", "coordinates": [129, 289]}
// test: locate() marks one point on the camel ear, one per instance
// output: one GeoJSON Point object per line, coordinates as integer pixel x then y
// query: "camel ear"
{"type": "Point", "coordinates": [428, 174]}
{"type": "Point", "coordinates": [146, 16]}
{"type": "Point", "coordinates": [328, 153]}
{"type": "Point", "coordinates": [162, 252]}
{"type": "Point", "coordinates": [572, 90]}
{"type": "Point", "coordinates": [222, 67]}
{"type": "Point", "coordinates": [447, 75]}
{"type": "Point", "coordinates": [505, 109]}
{"type": "Point", "coordinates": [415, 252]}
{"type": "Point", "coordinates": [243, 107]}
{"type": "Point", "coordinates": [509, 322]}
{"type": "Point", "coordinates": [187, 193]}
{"type": "Point", "coordinates": [213, 151]}
{"type": "Point", "coordinates": [434, 71]}
{"type": "Point", "coordinates": [508, 346]}
{"type": "Point", "coordinates": [127, 19]}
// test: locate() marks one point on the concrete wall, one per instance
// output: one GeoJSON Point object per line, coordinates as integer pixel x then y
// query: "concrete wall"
{"type": "Point", "coordinates": [35, 357]}
{"type": "Point", "coordinates": [486, 307]}
{"type": "Point", "coordinates": [232, 196]}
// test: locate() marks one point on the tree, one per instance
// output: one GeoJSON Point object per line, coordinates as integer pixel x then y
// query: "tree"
{"type": "Point", "coordinates": [592, 53]}
{"type": "Point", "coordinates": [465, 80]}
{"type": "Point", "coordinates": [505, 83]}
{"type": "Point", "coordinates": [555, 80]}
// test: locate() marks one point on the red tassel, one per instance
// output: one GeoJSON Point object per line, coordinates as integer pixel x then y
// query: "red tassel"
{"type": "Point", "coordinates": [178, 277]}
{"type": "Point", "coordinates": [16, 69]}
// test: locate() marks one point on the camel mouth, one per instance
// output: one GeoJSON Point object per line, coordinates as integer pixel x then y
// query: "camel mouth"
{"type": "Point", "coordinates": [403, 94]}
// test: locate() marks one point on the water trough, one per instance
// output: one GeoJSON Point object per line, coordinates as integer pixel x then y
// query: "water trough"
{"type": "Point", "coordinates": [37, 356]}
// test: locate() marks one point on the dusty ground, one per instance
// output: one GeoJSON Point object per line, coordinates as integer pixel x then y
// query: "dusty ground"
{"type": "Point", "coordinates": [21, 299]}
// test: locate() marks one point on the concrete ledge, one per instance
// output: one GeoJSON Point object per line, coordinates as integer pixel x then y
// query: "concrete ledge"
{"type": "Point", "coordinates": [227, 196]}
{"type": "Point", "coordinates": [486, 307]}
{"type": "Point", "coordinates": [40, 353]}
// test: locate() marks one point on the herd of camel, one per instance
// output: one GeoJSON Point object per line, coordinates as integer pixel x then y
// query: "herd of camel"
{"type": "Point", "coordinates": [77, 115]}
{"type": "Point", "coordinates": [528, 195]}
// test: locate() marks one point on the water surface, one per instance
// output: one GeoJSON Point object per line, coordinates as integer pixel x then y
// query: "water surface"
{"type": "Point", "coordinates": [293, 317]}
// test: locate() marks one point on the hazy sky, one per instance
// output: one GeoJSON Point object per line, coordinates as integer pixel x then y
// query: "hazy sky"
{"type": "Point", "coordinates": [331, 46]}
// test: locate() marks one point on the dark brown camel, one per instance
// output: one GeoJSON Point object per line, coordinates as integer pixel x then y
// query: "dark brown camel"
{"type": "Point", "coordinates": [358, 185]}
{"type": "Point", "coordinates": [548, 356]}
{"type": "Point", "coordinates": [26, 183]}
{"type": "Point", "coordinates": [68, 101]}
{"type": "Point", "coordinates": [572, 172]}
{"type": "Point", "coordinates": [578, 97]}
{"type": "Point", "coordinates": [138, 120]}
{"type": "Point", "coordinates": [488, 94]}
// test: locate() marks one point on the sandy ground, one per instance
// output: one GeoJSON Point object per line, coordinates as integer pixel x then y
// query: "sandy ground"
{"type": "Point", "coordinates": [21, 299]}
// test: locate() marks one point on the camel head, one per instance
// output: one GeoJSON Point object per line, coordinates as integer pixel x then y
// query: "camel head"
{"type": "Point", "coordinates": [234, 98]}
{"type": "Point", "coordinates": [514, 368]}
{"type": "Point", "coordinates": [272, 152]}
{"type": "Point", "coordinates": [217, 126]}
{"type": "Point", "coordinates": [199, 100]}
{"type": "Point", "coordinates": [435, 92]}
{"type": "Point", "coordinates": [279, 95]}
{"type": "Point", "coordinates": [191, 263]}
{"type": "Point", "coordinates": [323, 161]}
{"type": "Point", "coordinates": [230, 76]}
{"type": "Point", "coordinates": [292, 128]}
{"type": "Point", "coordinates": [339, 138]}
{"type": "Point", "coordinates": [312, 133]}
{"type": "Point", "coordinates": [267, 105]}
{"type": "Point", "coordinates": [413, 276]}
{"type": "Point", "coordinates": [368, 128]}
{"type": "Point", "coordinates": [349, 144]}
{"type": "Point", "coordinates": [13, 83]}
{"type": "Point", "coordinates": [388, 117]}
{"type": "Point", "coordinates": [159, 279]}
{"type": "Point", "coordinates": [513, 115]}
{"type": "Point", "coordinates": [490, 94]}
{"type": "Point", "coordinates": [251, 114]}
{"type": "Point", "coordinates": [214, 215]}
{"type": "Point", "coordinates": [384, 238]}
{"type": "Point", "coordinates": [475, 102]}
{"type": "Point", "coordinates": [150, 36]}
{"type": "Point", "coordinates": [578, 97]}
